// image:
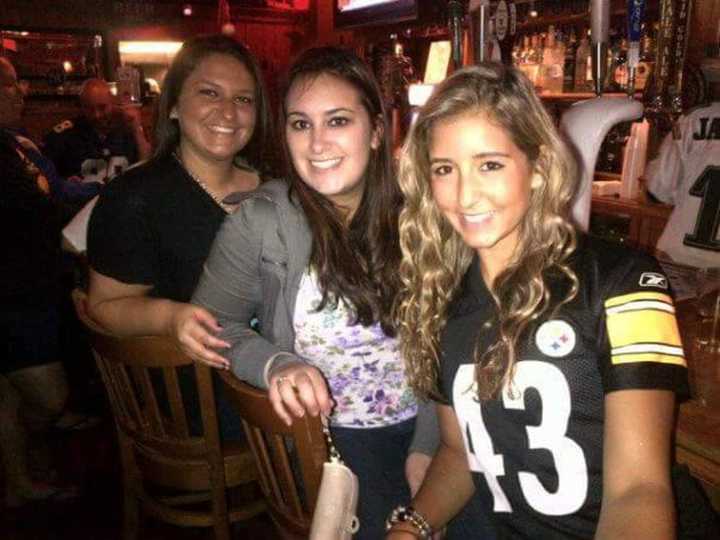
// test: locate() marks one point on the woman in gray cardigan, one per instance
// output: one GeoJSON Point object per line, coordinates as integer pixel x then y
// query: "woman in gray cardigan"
{"type": "Point", "coordinates": [317, 262]}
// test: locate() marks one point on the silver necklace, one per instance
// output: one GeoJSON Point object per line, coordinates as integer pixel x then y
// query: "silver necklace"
{"type": "Point", "coordinates": [227, 208]}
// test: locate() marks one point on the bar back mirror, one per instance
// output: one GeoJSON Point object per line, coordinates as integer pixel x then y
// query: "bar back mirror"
{"type": "Point", "coordinates": [54, 63]}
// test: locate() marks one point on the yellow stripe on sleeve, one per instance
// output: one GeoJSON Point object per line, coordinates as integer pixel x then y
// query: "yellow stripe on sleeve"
{"type": "Point", "coordinates": [646, 323]}
{"type": "Point", "coordinates": [642, 326]}
{"type": "Point", "coordinates": [618, 359]}
{"type": "Point", "coordinates": [626, 298]}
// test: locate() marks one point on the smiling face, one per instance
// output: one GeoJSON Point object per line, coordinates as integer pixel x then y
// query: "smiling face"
{"type": "Point", "coordinates": [481, 182]}
{"type": "Point", "coordinates": [330, 136]}
{"type": "Point", "coordinates": [216, 111]}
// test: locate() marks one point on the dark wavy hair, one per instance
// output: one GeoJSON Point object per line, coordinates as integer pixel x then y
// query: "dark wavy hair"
{"type": "Point", "coordinates": [190, 55]}
{"type": "Point", "coordinates": [355, 261]}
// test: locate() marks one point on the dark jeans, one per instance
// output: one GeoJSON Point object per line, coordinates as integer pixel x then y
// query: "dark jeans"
{"type": "Point", "coordinates": [229, 421]}
{"type": "Point", "coordinates": [29, 337]}
{"type": "Point", "coordinates": [377, 457]}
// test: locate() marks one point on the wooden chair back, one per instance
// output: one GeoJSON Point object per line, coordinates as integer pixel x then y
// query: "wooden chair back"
{"type": "Point", "coordinates": [289, 458]}
{"type": "Point", "coordinates": [147, 383]}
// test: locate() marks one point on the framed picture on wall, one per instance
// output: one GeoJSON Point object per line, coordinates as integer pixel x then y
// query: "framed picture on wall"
{"type": "Point", "coordinates": [54, 63]}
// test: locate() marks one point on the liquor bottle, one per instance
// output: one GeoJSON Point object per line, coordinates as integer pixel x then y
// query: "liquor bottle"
{"type": "Point", "coordinates": [569, 62]}
{"type": "Point", "coordinates": [515, 54]}
{"type": "Point", "coordinates": [525, 50]}
{"type": "Point", "coordinates": [532, 59]}
{"type": "Point", "coordinates": [552, 63]}
{"type": "Point", "coordinates": [619, 72]}
{"type": "Point", "coordinates": [521, 58]}
{"type": "Point", "coordinates": [583, 68]}
{"type": "Point", "coordinates": [559, 62]}
{"type": "Point", "coordinates": [543, 56]}
{"type": "Point", "coordinates": [647, 60]}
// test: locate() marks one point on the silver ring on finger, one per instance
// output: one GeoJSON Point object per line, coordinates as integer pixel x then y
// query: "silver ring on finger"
{"type": "Point", "coordinates": [281, 380]}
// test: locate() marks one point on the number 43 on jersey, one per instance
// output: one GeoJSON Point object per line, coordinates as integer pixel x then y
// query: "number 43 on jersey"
{"type": "Point", "coordinates": [550, 434]}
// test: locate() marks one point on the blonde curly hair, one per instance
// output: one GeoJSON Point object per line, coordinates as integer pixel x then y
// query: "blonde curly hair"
{"type": "Point", "coordinates": [434, 256]}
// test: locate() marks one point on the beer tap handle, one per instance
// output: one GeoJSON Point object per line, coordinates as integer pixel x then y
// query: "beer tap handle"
{"type": "Point", "coordinates": [478, 12]}
{"type": "Point", "coordinates": [636, 13]}
{"type": "Point", "coordinates": [600, 25]}
{"type": "Point", "coordinates": [455, 15]}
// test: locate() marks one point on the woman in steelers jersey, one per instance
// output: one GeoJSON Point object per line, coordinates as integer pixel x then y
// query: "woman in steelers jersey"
{"type": "Point", "coordinates": [556, 357]}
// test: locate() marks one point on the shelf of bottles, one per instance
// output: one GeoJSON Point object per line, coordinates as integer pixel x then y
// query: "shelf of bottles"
{"type": "Point", "coordinates": [553, 49]}
{"type": "Point", "coordinates": [557, 60]}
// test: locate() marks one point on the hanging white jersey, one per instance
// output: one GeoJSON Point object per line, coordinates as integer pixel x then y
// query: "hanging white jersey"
{"type": "Point", "coordinates": [686, 173]}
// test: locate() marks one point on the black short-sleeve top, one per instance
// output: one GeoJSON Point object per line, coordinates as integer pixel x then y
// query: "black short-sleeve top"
{"type": "Point", "coordinates": [536, 450]}
{"type": "Point", "coordinates": [154, 225]}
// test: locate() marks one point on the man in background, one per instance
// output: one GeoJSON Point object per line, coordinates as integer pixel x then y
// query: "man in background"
{"type": "Point", "coordinates": [20, 271]}
{"type": "Point", "coordinates": [100, 143]}
{"type": "Point", "coordinates": [686, 174]}
{"type": "Point", "coordinates": [68, 193]}
{"type": "Point", "coordinates": [33, 384]}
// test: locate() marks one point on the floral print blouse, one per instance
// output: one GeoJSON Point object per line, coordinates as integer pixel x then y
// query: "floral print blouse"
{"type": "Point", "coordinates": [361, 364]}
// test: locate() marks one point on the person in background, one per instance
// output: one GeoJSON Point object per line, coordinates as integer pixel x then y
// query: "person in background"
{"type": "Point", "coordinates": [153, 226]}
{"type": "Point", "coordinates": [33, 385]}
{"type": "Point", "coordinates": [556, 356]}
{"type": "Point", "coordinates": [316, 261]}
{"type": "Point", "coordinates": [686, 174]}
{"type": "Point", "coordinates": [65, 195]}
{"type": "Point", "coordinates": [70, 194]}
{"type": "Point", "coordinates": [103, 141]}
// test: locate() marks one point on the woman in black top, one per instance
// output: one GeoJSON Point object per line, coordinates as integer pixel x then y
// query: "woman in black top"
{"type": "Point", "coordinates": [153, 226]}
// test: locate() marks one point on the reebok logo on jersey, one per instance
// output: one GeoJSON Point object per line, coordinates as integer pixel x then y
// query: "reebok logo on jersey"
{"type": "Point", "coordinates": [652, 279]}
{"type": "Point", "coordinates": [555, 338]}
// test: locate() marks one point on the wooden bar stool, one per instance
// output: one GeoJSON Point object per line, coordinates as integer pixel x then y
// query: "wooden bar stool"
{"type": "Point", "coordinates": [290, 459]}
{"type": "Point", "coordinates": [169, 472]}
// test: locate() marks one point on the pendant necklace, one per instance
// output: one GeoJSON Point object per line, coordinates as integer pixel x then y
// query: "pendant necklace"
{"type": "Point", "coordinates": [227, 208]}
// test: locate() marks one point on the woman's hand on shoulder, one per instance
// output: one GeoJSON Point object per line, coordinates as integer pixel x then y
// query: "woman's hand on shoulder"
{"type": "Point", "coordinates": [297, 389]}
{"type": "Point", "coordinates": [195, 331]}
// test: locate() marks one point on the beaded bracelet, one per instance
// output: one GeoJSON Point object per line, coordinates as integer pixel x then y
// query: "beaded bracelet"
{"type": "Point", "coordinates": [407, 514]}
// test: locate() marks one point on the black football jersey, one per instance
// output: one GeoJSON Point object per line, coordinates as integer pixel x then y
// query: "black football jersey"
{"type": "Point", "coordinates": [536, 450]}
{"type": "Point", "coordinates": [77, 150]}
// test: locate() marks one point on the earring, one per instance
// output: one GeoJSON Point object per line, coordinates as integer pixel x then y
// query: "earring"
{"type": "Point", "coordinates": [537, 181]}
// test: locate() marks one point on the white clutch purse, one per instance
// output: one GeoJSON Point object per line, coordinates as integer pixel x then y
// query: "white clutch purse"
{"type": "Point", "coordinates": [335, 511]}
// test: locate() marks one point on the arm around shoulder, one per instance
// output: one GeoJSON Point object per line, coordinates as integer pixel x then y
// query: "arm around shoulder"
{"type": "Point", "coordinates": [231, 288]}
{"type": "Point", "coordinates": [124, 309]}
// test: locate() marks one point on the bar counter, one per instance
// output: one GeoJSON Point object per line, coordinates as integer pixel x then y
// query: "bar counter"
{"type": "Point", "coordinates": [645, 220]}
{"type": "Point", "coordinates": [697, 435]}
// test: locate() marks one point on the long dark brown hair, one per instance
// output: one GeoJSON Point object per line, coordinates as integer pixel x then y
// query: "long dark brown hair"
{"type": "Point", "coordinates": [355, 261]}
{"type": "Point", "coordinates": [188, 58]}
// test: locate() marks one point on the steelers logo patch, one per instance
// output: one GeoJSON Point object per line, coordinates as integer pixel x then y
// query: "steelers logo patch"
{"type": "Point", "coordinates": [555, 338]}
